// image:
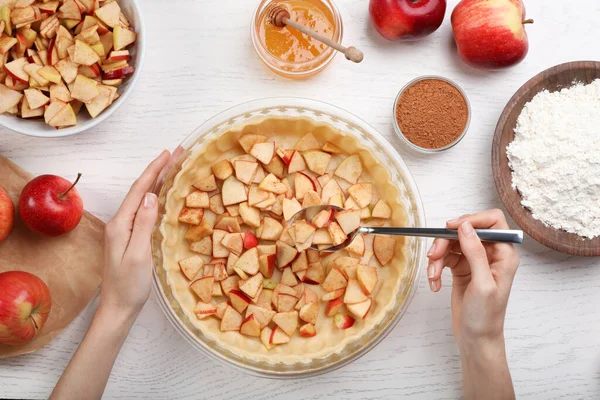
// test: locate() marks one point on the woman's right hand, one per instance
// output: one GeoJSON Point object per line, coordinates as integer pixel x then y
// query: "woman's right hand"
{"type": "Point", "coordinates": [482, 277]}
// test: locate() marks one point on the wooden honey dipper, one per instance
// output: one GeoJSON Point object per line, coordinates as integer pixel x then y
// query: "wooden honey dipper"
{"type": "Point", "coordinates": [280, 17]}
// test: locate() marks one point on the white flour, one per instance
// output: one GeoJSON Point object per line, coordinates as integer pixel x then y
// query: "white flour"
{"type": "Point", "coordinates": [555, 158]}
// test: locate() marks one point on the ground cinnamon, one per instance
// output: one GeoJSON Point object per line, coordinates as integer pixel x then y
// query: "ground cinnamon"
{"type": "Point", "coordinates": [432, 113]}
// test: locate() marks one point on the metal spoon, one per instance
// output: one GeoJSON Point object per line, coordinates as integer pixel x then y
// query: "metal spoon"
{"type": "Point", "coordinates": [486, 235]}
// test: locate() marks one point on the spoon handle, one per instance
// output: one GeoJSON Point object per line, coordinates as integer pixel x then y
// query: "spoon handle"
{"type": "Point", "coordinates": [486, 235]}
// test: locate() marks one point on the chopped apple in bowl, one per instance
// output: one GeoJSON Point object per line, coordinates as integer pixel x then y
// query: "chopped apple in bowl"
{"type": "Point", "coordinates": [57, 56]}
{"type": "Point", "coordinates": [252, 267]}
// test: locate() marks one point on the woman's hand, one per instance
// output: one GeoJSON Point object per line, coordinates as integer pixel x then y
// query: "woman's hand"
{"type": "Point", "coordinates": [127, 252]}
{"type": "Point", "coordinates": [482, 276]}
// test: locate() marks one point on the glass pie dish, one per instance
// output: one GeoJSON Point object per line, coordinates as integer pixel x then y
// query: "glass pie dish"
{"type": "Point", "coordinates": [214, 133]}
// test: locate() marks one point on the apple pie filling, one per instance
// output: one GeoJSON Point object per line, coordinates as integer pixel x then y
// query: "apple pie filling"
{"type": "Point", "coordinates": [256, 283]}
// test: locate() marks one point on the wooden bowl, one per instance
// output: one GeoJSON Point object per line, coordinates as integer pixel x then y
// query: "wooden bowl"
{"type": "Point", "coordinates": [553, 79]}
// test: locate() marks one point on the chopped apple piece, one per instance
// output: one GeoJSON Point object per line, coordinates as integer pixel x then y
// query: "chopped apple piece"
{"type": "Point", "coordinates": [335, 280]}
{"type": "Point", "coordinates": [303, 184]}
{"type": "Point", "coordinates": [317, 161]}
{"type": "Point", "coordinates": [381, 210]}
{"type": "Point", "coordinates": [384, 248]}
{"type": "Point", "coordinates": [321, 237]}
{"type": "Point", "coordinates": [248, 141]}
{"type": "Point", "coordinates": [231, 320]}
{"type": "Point", "coordinates": [215, 204]}
{"type": "Point", "coordinates": [234, 242]}
{"type": "Point", "coordinates": [256, 195]}
{"type": "Point", "coordinates": [65, 117]}
{"type": "Point", "coordinates": [350, 169]}
{"type": "Point", "coordinates": [275, 167]}
{"type": "Point", "coordinates": [337, 200]}
{"type": "Point", "coordinates": [252, 286]}
{"type": "Point", "coordinates": [272, 229]}
{"type": "Point", "coordinates": [272, 184]}
{"type": "Point", "coordinates": [290, 207]}
{"type": "Point", "coordinates": [221, 307]}
{"type": "Point", "coordinates": [286, 302]}
{"type": "Point", "coordinates": [250, 240]}
{"type": "Point", "coordinates": [202, 246]}
{"type": "Point", "coordinates": [314, 274]}
{"type": "Point", "coordinates": [245, 170]}
{"type": "Point", "coordinates": [85, 89]}
{"type": "Point", "coordinates": [367, 277]}
{"type": "Point", "coordinates": [123, 37]}
{"type": "Point", "coordinates": [354, 293]}
{"type": "Point", "coordinates": [333, 295]}
{"type": "Point", "coordinates": [268, 202]}
{"type": "Point", "coordinates": [220, 272]}
{"type": "Point", "coordinates": [222, 170]}
{"type": "Point", "coordinates": [233, 191]}
{"type": "Point", "coordinates": [331, 188]}
{"type": "Point", "coordinates": [296, 163]}
{"type": "Point", "coordinates": [288, 278]}
{"type": "Point", "coordinates": [300, 263]}
{"type": "Point", "coordinates": [206, 184]}
{"type": "Point", "coordinates": [8, 98]}
{"type": "Point", "coordinates": [333, 307]}
{"type": "Point", "coordinates": [307, 330]}
{"type": "Point", "coordinates": [311, 198]}
{"type": "Point", "coordinates": [109, 14]}
{"type": "Point", "coordinates": [307, 142]}
{"type": "Point", "coordinates": [262, 315]}
{"type": "Point", "coordinates": [227, 223]}
{"type": "Point", "coordinates": [309, 313]}
{"type": "Point", "coordinates": [230, 284]}
{"type": "Point", "coordinates": [84, 54]}
{"type": "Point", "coordinates": [250, 215]}
{"type": "Point", "coordinates": [285, 254]}
{"type": "Point", "coordinates": [349, 221]}
{"type": "Point", "coordinates": [27, 112]}
{"type": "Point", "coordinates": [278, 336]}
{"type": "Point", "coordinates": [250, 326]}
{"type": "Point", "coordinates": [287, 321]}
{"type": "Point", "coordinates": [218, 249]}
{"type": "Point", "coordinates": [360, 310]}
{"type": "Point", "coordinates": [203, 288]}
{"type": "Point", "coordinates": [190, 266]}
{"type": "Point", "coordinates": [265, 337]}
{"type": "Point", "coordinates": [197, 232]}
{"type": "Point", "coordinates": [239, 300]}
{"type": "Point", "coordinates": [331, 148]}
{"type": "Point", "coordinates": [362, 193]}
{"type": "Point", "coordinates": [357, 247]}
{"type": "Point", "coordinates": [197, 199]}
{"type": "Point", "coordinates": [16, 69]}
{"type": "Point", "coordinates": [323, 218]}
{"type": "Point", "coordinates": [191, 216]}
{"type": "Point", "coordinates": [343, 321]}
{"type": "Point", "coordinates": [248, 262]}
{"type": "Point", "coordinates": [337, 234]}
{"type": "Point", "coordinates": [67, 69]}
{"type": "Point", "coordinates": [263, 151]}
{"type": "Point", "coordinates": [302, 231]}
{"type": "Point", "coordinates": [203, 310]}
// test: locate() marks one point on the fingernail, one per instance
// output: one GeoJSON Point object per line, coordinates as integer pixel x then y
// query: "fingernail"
{"type": "Point", "coordinates": [431, 249]}
{"type": "Point", "coordinates": [430, 271]}
{"type": "Point", "coordinates": [451, 221]}
{"type": "Point", "coordinates": [432, 285]}
{"type": "Point", "coordinates": [150, 200]}
{"type": "Point", "coordinates": [437, 285]}
{"type": "Point", "coordinates": [467, 229]}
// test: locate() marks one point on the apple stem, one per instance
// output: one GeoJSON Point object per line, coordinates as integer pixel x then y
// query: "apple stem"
{"type": "Point", "coordinates": [62, 196]}
{"type": "Point", "coordinates": [528, 21]}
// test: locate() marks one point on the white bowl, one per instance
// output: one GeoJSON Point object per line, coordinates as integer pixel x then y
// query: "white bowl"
{"type": "Point", "coordinates": [37, 127]}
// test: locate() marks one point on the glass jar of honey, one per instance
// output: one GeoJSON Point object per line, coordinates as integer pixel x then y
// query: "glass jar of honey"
{"type": "Point", "coordinates": [289, 52]}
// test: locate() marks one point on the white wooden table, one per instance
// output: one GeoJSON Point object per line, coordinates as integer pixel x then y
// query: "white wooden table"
{"type": "Point", "coordinates": [195, 68]}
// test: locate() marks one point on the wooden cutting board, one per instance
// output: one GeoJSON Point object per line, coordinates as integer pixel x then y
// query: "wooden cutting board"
{"type": "Point", "coordinates": [71, 265]}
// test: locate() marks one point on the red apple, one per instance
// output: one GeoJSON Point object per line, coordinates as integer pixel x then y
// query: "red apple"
{"type": "Point", "coordinates": [7, 214]}
{"type": "Point", "coordinates": [50, 205]}
{"type": "Point", "coordinates": [406, 19]}
{"type": "Point", "coordinates": [25, 303]}
{"type": "Point", "coordinates": [490, 34]}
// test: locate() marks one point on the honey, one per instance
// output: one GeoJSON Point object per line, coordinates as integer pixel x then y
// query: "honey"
{"type": "Point", "coordinates": [289, 44]}
{"type": "Point", "coordinates": [288, 51]}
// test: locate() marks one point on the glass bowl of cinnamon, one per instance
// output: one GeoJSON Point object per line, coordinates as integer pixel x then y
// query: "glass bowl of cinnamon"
{"type": "Point", "coordinates": [431, 114]}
